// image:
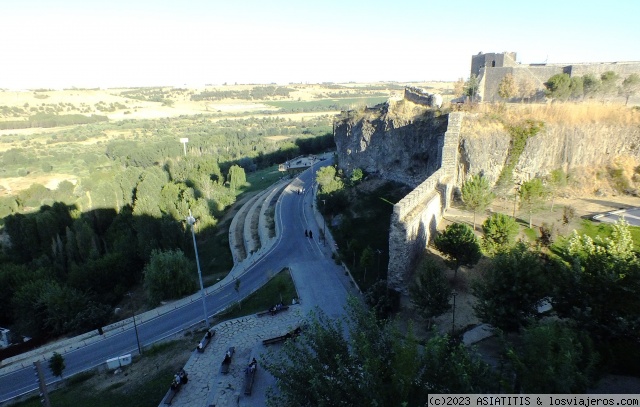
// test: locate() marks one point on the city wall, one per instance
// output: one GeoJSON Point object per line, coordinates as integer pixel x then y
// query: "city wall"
{"type": "Point", "coordinates": [416, 217]}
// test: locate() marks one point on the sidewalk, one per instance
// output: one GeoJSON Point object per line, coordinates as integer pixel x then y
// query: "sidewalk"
{"type": "Point", "coordinates": [206, 382]}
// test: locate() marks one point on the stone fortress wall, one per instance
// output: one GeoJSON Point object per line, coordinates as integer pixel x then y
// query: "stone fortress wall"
{"type": "Point", "coordinates": [422, 97]}
{"type": "Point", "coordinates": [416, 217]}
{"type": "Point", "coordinates": [491, 68]}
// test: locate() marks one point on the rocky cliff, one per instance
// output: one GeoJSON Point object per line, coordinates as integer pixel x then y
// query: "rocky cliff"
{"type": "Point", "coordinates": [484, 147]}
{"type": "Point", "coordinates": [399, 141]}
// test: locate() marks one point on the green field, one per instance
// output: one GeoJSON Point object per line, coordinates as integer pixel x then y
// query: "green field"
{"type": "Point", "coordinates": [327, 104]}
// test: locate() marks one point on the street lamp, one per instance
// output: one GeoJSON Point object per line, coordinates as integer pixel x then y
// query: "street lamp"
{"type": "Point", "coordinates": [324, 223]}
{"type": "Point", "coordinates": [191, 221]}
{"type": "Point", "coordinates": [184, 142]}
{"type": "Point", "coordinates": [135, 327]}
{"type": "Point", "coordinates": [453, 320]}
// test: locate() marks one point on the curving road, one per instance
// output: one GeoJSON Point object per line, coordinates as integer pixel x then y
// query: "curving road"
{"type": "Point", "coordinates": [318, 280]}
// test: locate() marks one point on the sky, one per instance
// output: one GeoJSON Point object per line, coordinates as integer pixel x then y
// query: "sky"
{"type": "Point", "coordinates": [125, 43]}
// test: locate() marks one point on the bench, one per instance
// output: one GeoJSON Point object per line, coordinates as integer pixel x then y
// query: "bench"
{"type": "Point", "coordinates": [291, 334]}
{"type": "Point", "coordinates": [206, 339]}
{"type": "Point", "coordinates": [175, 387]}
{"type": "Point", "coordinates": [226, 362]}
{"type": "Point", "coordinates": [273, 311]}
{"type": "Point", "coordinates": [249, 375]}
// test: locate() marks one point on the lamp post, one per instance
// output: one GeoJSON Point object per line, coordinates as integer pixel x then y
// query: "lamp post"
{"type": "Point", "coordinates": [324, 224]}
{"type": "Point", "coordinates": [135, 328]}
{"type": "Point", "coordinates": [184, 142]}
{"type": "Point", "coordinates": [453, 320]}
{"type": "Point", "coordinates": [191, 221]}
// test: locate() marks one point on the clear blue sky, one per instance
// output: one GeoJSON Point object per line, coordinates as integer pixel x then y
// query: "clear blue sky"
{"type": "Point", "coordinates": [88, 43]}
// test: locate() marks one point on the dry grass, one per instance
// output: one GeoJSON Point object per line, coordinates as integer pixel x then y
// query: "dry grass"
{"type": "Point", "coordinates": [560, 113]}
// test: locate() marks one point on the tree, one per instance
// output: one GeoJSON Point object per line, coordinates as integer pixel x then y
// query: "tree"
{"type": "Point", "coordinates": [512, 289]}
{"type": "Point", "coordinates": [430, 292]}
{"type": "Point", "coordinates": [356, 175]}
{"type": "Point", "coordinates": [366, 260]}
{"type": "Point", "coordinates": [168, 275]}
{"type": "Point", "coordinates": [477, 195]}
{"type": "Point", "coordinates": [558, 86]}
{"type": "Point", "coordinates": [591, 85]}
{"type": "Point", "coordinates": [599, 284]}
{"type": "Point", "coordinates": [532, 193]}
{"type": "Point", "coordinates": [577, 87]}
{"type": "Point", "coordinates": [556, 180]}
{"type": "Point", "coordinates": [507, 87]}
{"type": "Point", "coordinates": [236, 177]}
{"type": "Point", "coordinates": [500, 232]}
{"type": "Point", "coordinates": [526, 88]}
{"type": "Point", "coordinates": [471, 87]}
{"type": "Point", "coordinates": [236, 286]}
{"type": "Point", "coordinates": [56, 364]}
{"type": "Point", "coordinates": [609, 80]}
{"type": "Point", "coordinates": [459, 244]}
{"type": "Point", "coordinates": [458, 88]}
{"type": "Point", "coordinates": [553, 358]}
{"type": "Point", "coordinates": [328, 181]}
{"type": "Point", "coordinates": [382, 300]}
{"type": "Point", "coordinates": [358, 360]}
{"type": "Point", "coordinates": [630, 86]}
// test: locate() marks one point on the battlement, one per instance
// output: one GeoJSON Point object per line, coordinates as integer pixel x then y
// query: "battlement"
{"type": "Point", "coordinates": [422, 97]}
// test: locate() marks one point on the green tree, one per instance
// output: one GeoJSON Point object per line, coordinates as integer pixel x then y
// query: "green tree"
{"type": "Point", "coordinates": [507, 87]}
{"type": "Point", "coordinates": [558, 86]}
{"type": "Point", "coordinates": [500, 232]}
{"type": "Point", "coordinates": [556, 180]}
{"type": "Point", "coordinates": [577, 87]}
{"type": "Point", "coordinates": [609, 81]}
{"type": "Point", "coordinates": [532, 194]}
{"type": "Point", "coordinates": [630, 86]}
{"type": "Point", "coordinates": [471, 87]}
{"type": "Point", "coordinates": [553, 358]}
{"type": "Point", "coordinates": [591, 85]}
{"type": "Point", "coordinates": [430, 292]}
{"type": "Point", "coordinates": [236, 177]}
{"type": "Point", "coordinates": [356, 175]}
{"type": "Point", "coordinates": [598, 286]}
{"type": "Point", "coordinates": [459, 244]}
{"type": "Point", "coordinates": [56, 364]}
{"type": "Point", "coordinates": [512, 289]}
{"type": "Point", "coordinates": [168, 275]}
{"type": "Point", "coordinates": [328, 180]}
{"type": "Point", "coordinates": [366, 260]}
{"type": "Point", "coordinates": [360, 361]}
{"type": "Point", "coordinates": [476, 195]}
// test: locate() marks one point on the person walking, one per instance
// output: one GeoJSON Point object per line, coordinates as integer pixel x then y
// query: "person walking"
{"type": "Point", "coordinates": [306, 234]}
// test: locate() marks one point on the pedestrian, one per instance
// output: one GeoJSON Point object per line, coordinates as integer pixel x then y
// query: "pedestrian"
{"type": "Point", "coordinates": [306, 234]}
{"type": "Point", "coordinates": [310, 234]}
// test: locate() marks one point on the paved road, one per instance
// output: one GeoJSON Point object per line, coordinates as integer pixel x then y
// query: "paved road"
{"type": "Point", "coordinates": [631, 215]}
{"type": "Point", "coordinates": [307, 258]}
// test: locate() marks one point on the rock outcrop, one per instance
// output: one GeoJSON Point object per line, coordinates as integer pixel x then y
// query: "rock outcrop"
{"type": "Point", "coordinates": [400, 141]}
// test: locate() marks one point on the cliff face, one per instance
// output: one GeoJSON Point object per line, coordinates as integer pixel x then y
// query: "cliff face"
{"type": "Point", "coordinates": [400, 141]}
{"type": "Point", "coordinates": [485, 149]}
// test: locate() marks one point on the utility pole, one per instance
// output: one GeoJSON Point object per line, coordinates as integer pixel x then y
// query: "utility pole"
{"type": "Point", "coordinates": [453, 320]}
{"type": "Point", "coordinates": [184, 142]}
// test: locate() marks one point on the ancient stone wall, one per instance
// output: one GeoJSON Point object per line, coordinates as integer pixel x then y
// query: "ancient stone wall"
{"type": "Point", "coordinates": [416, 217]}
